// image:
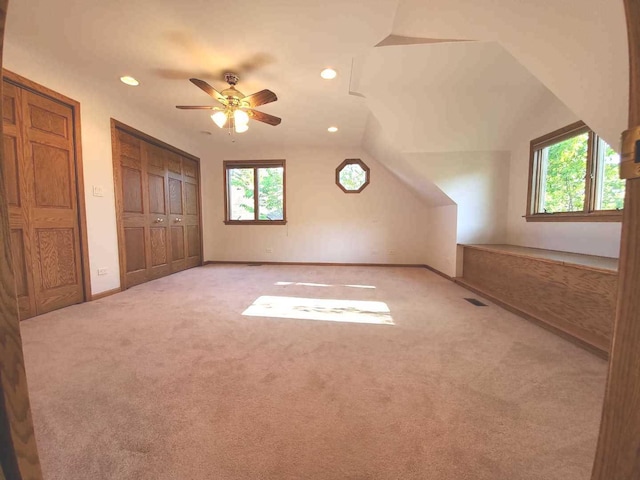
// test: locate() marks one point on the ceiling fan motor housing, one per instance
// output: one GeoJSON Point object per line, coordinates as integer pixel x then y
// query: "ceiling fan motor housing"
{"type": "Point", "coordinates": [231, 78]}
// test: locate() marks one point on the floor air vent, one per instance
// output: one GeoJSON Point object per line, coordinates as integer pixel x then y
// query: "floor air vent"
{"type": "Point", "coordinates": [254, 264]}
{"type": "Point", "coordinates": [476, 302]}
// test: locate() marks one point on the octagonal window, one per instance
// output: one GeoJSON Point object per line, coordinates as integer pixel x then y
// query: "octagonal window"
{"type": "Point", "coordinates": [352, 175]}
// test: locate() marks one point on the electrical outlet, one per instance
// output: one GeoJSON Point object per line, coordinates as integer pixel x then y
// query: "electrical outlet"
{"type": "Point", "coordinates": [98, 191]}
{"type": "Point", "coordinates": [269, 250]}
{"type": "Point", "coordinates": [103, 271]}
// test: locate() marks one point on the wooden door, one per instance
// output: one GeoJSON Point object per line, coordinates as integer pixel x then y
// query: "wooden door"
{"type": "Point", "coordinates": [158, 207]}
{"type": "Point", "coordinates": [176, 212]}
{"type": "Point", "coordinates": [41, 180]}
{"type": "Point", "coordinates": [154, 159]}
{"type": "Point", "coordinates": [16, 188]}
{"type": "Point", "coordinates": [134, 221]}
{"type": "Point", "coordinates": [191, 218]}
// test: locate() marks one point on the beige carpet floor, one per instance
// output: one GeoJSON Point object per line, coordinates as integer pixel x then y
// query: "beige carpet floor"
{"type": "Point", "coordinates": [169, 380]}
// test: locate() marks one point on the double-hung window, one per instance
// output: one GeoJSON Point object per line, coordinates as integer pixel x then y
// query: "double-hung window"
{"type": "Point", "coordinates": [573, 176]}
{"type": "Point", "coordinates": [254, 192]}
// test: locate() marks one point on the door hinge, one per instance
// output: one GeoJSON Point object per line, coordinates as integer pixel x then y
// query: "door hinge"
{"type": "Point", "coordinates": [630, 154]}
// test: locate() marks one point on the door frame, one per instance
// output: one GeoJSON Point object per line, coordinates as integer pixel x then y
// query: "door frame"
{"type": "Point", "coordinates": [115, 126]}
{"type": "Point", "coordinates": [26, 84]}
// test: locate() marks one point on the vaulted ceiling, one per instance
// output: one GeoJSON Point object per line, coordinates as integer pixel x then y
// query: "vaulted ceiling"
{"type": "Point", "coordinates": [426, 95]}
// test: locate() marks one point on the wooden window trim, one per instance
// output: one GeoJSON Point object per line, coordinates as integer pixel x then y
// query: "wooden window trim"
{"type": "Point", "coordinates": [255, 164]}
{"type": "Point", "coordinates": [353, 161]}
{"type": "Point", "coordinates": [588, 214]}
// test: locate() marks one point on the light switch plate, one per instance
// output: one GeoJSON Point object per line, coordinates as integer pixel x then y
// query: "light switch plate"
{"type": "Point", "coordinates": [98, 191]}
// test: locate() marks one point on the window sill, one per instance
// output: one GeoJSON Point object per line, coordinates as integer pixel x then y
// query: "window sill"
{"type": "Point", "coordinates": [604, 216]}
{"type": "Point", "coordinates": [255, 222]}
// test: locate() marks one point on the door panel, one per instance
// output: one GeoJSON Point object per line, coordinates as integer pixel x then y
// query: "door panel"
{"type": "Point", "coordinates": [134, 222]}
{"type": "Point", "coordinates": [177, 244]}
{"type": "Point", "coordinates": [132, 190]}
{"type": "Point", "coordinates": [56, 249]}
{"type": "Point", "coordinates": [134, 241]}
{"type": "Point", "coordinates": [156, 194]}
{"type": "Point", "coordinates": [154, 160]}
{"type": "Point", "coordinates": [191, 199]}
{"type": "Point", "coordinates": [11, 171]}
{"type": "Point", "coordinates": [158, 246]}
{"type": "Point", "coordinates": [43, 118]}
{"type": "Point", "coordinates": [53, 178]}
{"type": "Point", "coordinates": [175, 196]}
{"type": "Point", "coordinates": [49, 169]}
{"type": "Point", "coordinates": [193, 241]}
{"type": "Point", "coordinates": [191, 217]}
{"type": "Point", "coordinates": [19, 265]}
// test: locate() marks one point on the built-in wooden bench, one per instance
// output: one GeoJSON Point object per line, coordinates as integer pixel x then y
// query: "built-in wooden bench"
{"type": "Point", "coordinates": [571, 294]}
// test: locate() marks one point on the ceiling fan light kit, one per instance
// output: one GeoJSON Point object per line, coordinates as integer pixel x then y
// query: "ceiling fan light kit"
{"type": "Point", "coordinates": [238, 108]}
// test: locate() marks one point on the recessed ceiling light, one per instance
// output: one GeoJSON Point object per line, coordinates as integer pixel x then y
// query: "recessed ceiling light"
{"type": "Point", "coordinates": [129, 81]}
{"type": "Point", "coordinates": [332, 129]}
{"type": "Point", "coordinates": [328, 74]}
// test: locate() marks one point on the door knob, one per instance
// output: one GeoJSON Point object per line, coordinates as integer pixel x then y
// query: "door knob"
{"type": "Point", "coordinates": [159, 220]}
{"type": "Point", "coordinates": [178, 219]}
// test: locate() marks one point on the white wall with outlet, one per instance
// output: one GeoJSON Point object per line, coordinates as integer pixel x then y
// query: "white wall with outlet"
{"type": "Point", "coordinates": [385, 223]}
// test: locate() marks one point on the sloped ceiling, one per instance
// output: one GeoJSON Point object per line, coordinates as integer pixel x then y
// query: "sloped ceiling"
{"type": "Point", "coordinates": [576, 48]}
{"type": "Point", "coordinates": [447, 96]}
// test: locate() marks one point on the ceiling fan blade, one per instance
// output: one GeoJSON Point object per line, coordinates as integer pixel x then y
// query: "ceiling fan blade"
{"type": "Point", "coordinates": [260, 98]}
{"type": "Point", "coordinates": [264, 117]}
{"type": "Point", "coordinates": [212, 92]}
{"type": "Point", "coordinates": [190, 107]}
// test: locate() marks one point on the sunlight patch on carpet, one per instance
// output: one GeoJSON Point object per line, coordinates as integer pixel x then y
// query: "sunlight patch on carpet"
{"type": "Point", "coordinates": [305, 284]}
{"type": "Point", "coordinates": [328, 310]}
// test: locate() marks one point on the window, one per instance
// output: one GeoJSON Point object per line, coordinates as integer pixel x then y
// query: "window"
{"type": "Point", "coordinates": [255, 192]}
{"type": "Point", "coordinates": [573, 176]}
{"type": "Point", "coordinates": [352, 175]}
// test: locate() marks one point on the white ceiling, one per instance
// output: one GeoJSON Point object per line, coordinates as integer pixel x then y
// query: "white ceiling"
{"type": "Point", "coordinates": [427, 97]}
{"type": "Point", "coordinates": [163, 43]}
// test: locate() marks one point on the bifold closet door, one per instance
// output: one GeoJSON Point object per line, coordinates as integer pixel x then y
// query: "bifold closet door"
{"type": "Point", "coordinates": [176, 212]}
{"type": "Point", "coordinates": [40, 165]}
{"type": "Point", "coordinates": [143, 204]}
{"type": "Point", "coordinates": [158, 261]}
{"type": "Point", "coordinates": [158, 204]}
{"type": "Point", "coordinates": [191, 218]}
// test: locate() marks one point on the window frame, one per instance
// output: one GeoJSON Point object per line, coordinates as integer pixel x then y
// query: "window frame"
{"type": "Point", "coordinates": [256, 165]}
{"type": "Point", "coordinates": [353, 161]}
{"type": "Point", "coordinates": [588, 213]}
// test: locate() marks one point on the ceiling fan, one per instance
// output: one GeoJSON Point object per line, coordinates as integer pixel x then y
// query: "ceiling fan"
{"type": "Point", "coordinates": [237, 108]}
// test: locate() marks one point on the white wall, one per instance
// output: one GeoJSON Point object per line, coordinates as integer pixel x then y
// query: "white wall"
{"type": "Point", "coordinates": [441, 252]}
{"type": "Point", "coordinates": [595, 238]}
{"type": "Point", "coordinates": [98, 106]}
{"type": "Point", "coordinates": [385, 223]}
{"type": "Point", "coordinates": [478, 183]}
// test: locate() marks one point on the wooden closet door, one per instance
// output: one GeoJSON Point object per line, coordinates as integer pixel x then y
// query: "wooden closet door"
{"type": "Point", "coordinates": [191, 219]}
{"type": "Point", "coordinates": [48, 165]}
{"type": "Point", "coordinates": [154, 166]}
{"type": "Point", "coordinates": [176, 212]}
{"type": "Point", "coordinates": [17, 197]}
{"type": "Point", "coordinates": [133, 227]}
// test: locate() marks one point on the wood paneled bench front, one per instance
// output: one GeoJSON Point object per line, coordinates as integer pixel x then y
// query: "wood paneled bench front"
{"type": "Point", "coordinates": [571, 294]}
